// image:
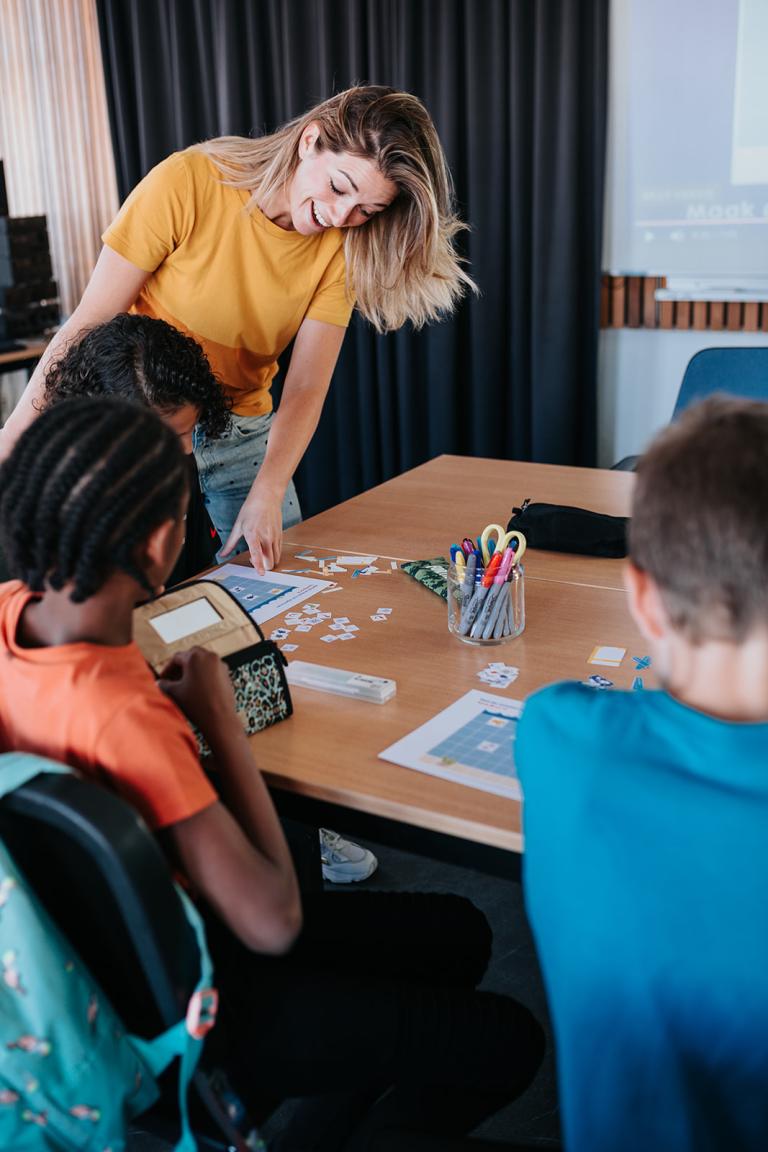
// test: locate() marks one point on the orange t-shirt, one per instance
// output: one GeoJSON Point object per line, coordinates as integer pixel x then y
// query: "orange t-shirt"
{"type": "Point", "coordinates": [98, 709]}
{"type": "Point", "coordinates": [229, 277]}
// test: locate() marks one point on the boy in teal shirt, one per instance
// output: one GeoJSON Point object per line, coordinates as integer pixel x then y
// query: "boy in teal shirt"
{"type": "Point", "coordinates": [646, 820]}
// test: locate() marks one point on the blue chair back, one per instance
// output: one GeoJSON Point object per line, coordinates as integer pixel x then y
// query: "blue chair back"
{"type": "Point", "coordinates": [739, 371]}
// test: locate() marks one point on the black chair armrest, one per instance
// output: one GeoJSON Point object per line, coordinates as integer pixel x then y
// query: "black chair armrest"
{"type": "Point", "coordinates": [627, 464]}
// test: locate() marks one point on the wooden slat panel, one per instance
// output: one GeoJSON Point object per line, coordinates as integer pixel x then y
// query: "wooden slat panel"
{"type": "Point", "coordinates": [716, 315]}
{"type": "Point", "coordinates": [683, 314]}
{"type": "Point", "coordinates": [618, 301]}
{"type": "Point", "coordinates": [751, 316]}
{"type": "Point", "coordinates": [700, 316]}
{"type": "Point", "coordinates": [630, 301]}
{"type": "Point", "coordinates": [634, 301]}
{"type": "Point", "coordinates": [733, 315]}
{"type": "Point", "coordinates": [605, 301]}
{"type": "Point", "coordinates": [650, 317]}
{"type": "Point", "coordinates": [666, 314]}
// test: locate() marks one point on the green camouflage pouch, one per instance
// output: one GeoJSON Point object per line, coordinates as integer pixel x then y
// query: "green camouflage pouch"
{"type": "Point", "coordinates": [433, 574]}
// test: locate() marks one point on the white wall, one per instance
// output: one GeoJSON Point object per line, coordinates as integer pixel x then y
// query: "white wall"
{"type": "Point", "coordinates": [638, 378]}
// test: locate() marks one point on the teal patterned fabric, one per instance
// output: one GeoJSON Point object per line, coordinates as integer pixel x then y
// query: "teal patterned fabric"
{"type": "Point", "coordinates": [71, 1077]}
{"type": "Point", "coordinates": [433, 574]}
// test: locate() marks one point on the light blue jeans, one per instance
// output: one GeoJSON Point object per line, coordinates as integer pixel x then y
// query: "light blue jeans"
{"type": "Point", "coordinates": [229, 466]}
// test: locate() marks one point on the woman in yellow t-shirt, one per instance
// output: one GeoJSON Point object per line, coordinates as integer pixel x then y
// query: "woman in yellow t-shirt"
{"type": "Point", "coordinates": [249, 244]}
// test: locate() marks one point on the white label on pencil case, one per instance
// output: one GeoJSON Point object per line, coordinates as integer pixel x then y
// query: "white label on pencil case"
{"type": "Point", "coordinates": [185, 621]}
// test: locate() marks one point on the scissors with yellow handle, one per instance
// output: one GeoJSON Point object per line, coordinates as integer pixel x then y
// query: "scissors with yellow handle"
{"type": "Point", "coordinates": [503, 540]}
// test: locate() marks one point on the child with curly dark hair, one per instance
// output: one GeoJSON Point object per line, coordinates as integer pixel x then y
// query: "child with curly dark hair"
{"type": "Point", "coordinates": [149, 362]}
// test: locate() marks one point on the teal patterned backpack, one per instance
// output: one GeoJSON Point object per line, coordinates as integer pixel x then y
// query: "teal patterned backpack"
{"type": "Point", "coordinates": [71, 1077]}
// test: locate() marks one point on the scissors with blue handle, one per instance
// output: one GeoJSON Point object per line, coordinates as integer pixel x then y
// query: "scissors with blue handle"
{"type": "Point", "coordinates": [503, 540]}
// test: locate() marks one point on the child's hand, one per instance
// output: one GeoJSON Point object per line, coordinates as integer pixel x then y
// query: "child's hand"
{"type": "Point", "coordinates": [199, 683]}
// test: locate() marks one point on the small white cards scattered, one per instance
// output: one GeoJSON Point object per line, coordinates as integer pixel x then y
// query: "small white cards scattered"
{"type": "Point", "coordinates": [356, 561]}
{"type": "Point", "coordinates": [337, 627]}
{"type": "Point", "coordinates": [598, 682]}
{"type": "Point", "coordinates": [499, 675]}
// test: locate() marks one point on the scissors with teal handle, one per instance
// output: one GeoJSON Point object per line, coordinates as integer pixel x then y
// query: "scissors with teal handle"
{"type": "Point", "coordinates": [503, 540]}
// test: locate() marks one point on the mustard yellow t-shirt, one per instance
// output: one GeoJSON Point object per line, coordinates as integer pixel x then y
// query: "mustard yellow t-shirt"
{"type": "Point", "coordinates": [231, 278]}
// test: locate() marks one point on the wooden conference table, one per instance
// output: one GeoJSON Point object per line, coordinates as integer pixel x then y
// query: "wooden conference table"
{"type": "Point", "coordinates": [324, 762]}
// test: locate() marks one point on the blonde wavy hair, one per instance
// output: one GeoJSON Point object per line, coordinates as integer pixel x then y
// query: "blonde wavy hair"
{"type": "Point", "coordinates": [401, 264]}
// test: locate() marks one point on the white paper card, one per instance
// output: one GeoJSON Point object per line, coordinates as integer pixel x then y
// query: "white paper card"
{"type": "Point", "coordinates": [185, 621]}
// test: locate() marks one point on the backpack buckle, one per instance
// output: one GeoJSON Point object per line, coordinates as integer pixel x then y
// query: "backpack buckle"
{"type": "Point", "coordinates": [201, 1012]}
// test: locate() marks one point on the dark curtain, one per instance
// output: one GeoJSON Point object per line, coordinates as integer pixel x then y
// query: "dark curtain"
{"type": "Point", "coordinates": [517, 89]}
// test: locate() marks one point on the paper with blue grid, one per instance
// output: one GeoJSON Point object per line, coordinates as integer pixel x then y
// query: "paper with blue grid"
{"type": "Point", "coordinates": [471, 742]}
{"type": "Point", "coordinates": [264, 597]}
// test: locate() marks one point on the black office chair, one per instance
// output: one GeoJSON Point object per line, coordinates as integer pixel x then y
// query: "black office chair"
{"type": "Point", "coordinates": [101, 875]}
{"type": "Point", "coordinates": [737, 371]}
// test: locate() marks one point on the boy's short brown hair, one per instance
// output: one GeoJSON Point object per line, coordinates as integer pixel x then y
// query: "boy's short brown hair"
{"type": "Point", "coordinates": [700, 519]}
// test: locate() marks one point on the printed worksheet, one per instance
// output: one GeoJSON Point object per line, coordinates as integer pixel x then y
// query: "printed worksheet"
{"type": "Point", "coordinates": [470, 742]}
{"type": "Point", "coordinates": [269, 595]}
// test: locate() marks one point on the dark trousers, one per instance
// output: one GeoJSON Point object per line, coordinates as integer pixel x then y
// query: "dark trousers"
{"type": "Point", "coordinates": [375, 1010]}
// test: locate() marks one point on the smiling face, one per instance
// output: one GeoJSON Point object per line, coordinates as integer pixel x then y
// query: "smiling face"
{"type": "Point", "coordinates": [332, 190]}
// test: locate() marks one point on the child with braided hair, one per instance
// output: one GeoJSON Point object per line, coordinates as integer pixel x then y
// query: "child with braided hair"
{"type": "Point", "coordinates": [92, 508]}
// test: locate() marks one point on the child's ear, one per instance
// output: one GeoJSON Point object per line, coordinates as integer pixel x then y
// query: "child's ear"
{"type": "Point", "coordinates": [157, 554]}
{"type": "Point", "coordinates": [645, 603]}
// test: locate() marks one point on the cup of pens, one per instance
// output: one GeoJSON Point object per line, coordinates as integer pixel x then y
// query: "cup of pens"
{"type": "Point", "coordinates": [486, 588]}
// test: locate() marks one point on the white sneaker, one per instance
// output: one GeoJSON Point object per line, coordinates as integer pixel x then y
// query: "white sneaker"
{"type": "Point", "coordinates": [343, 861]}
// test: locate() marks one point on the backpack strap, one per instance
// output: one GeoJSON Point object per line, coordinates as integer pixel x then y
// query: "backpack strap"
{"type": "Point", "coordinates": [185, 1038]}
{"type": "Point", "coordinates": [17, 768]}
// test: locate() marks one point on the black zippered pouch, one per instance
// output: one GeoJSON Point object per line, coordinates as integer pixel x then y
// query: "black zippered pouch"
{"type": "Point", "coordinates": [560, 528]}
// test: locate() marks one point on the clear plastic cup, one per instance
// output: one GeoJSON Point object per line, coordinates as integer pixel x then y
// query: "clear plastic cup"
{"type": "Point", "coordinates": [486, 615]}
